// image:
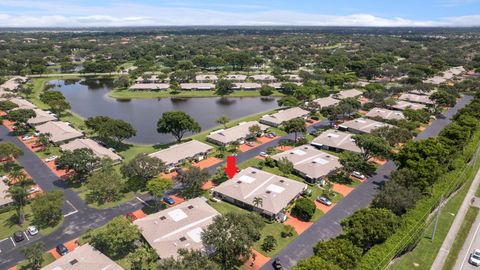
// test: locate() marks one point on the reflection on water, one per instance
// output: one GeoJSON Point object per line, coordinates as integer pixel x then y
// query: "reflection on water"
{"type": "Point", "coordinates": [89, 98]}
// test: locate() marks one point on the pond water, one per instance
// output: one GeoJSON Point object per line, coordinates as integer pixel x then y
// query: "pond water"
{"type": "Point", "coordinates": [89, 98]}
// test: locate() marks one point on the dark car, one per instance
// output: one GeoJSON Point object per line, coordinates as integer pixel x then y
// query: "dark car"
{"type": "Point", "coordinates": [18, 236]}
{"type": "Point", "coordinates": [168, 200]}
{"type": "Point", "coordinates": [277, 264]}
{"type": "Point", "coordinates": [62, 249]}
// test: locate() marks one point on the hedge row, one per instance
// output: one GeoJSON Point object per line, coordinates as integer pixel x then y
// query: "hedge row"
{"type": "Point", "coordinates": [416, 219]}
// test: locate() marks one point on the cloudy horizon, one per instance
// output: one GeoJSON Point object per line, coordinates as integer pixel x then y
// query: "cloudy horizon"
{"type": "Point", "coordinates": [108, 13]}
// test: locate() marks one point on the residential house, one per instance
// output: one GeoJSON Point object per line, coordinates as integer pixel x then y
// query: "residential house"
{"type": "Point", "coordinates": [177, 227]}
{"type": "Point", "coordinates": [326, 102]}
{"type": "Point", "coordinates": [423, 99]}
{"type": "Point", "coordinates": [60, 131]}
{"type": "Point", "coordinates": [385, 114]}
{"type": "Point", "coordinates": [41, 117]}
{"type": "Point", "coordinates": [206, 78]}
{"type": "Point", "coordinates": [362, 125]}
{"type": "Point", "coordinates": [99, 150]}
{"type": "Point", "coordinates": [402, 105]}
{"type": "Point", "coordinates": [5, 199]}
{"type": "Point", "coordinates": [175, 154]}
{"type": "Point", "coordinates": [277, 119]}
{"type": "Point", "coordinates": [149, 87]}
{"type": "Point", "coordinates": [309, 162]}
{"type": "Point", "coordinates": [260, 191]}
{"type": "Point", "coordinates": [235, 77]}
{"type": "Point", "coordinates": [352, 93]}
{"type": "Point", "coordinates": [336, 140]}
{"type": "Point", "coordinates": [246, 86]}
{"type": "Point", "coordinates": [197, 86]}
{"type": "Point", "coordinates": [263, 78]}
{"type": "Point", "coordinates": [83, 257]}
{"type": "Point", "coordinates": [237, 133]}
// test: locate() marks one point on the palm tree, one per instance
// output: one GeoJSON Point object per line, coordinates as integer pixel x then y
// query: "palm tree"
{"type": "Point", "coordinates": [257, 201]}
{"type": "Point", "coordinates": [19, 194]}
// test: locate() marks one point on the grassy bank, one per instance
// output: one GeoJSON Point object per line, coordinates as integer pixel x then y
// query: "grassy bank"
{"type": "Point", "coordinates": [126, 94]}
{"type": "Point", "coordinates": [460, 238]}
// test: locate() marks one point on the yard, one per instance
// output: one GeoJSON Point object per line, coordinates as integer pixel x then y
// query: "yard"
{"type": "Point", "coordinates": [9, 226]}
{"type": "Point", "coordinates": [127, 94]}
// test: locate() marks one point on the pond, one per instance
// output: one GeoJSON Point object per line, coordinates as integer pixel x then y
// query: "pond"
{"type": "Point", "coordinates": [89, 98]}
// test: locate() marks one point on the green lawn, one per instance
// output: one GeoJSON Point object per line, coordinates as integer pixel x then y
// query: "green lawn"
{"type": "Point", "coordinates": [125, 198]}
{"type": "Point", "coordinates": [47, 259]}
{"type": "Point", "coordinates": [9, 226]}
{"type": "Point", "coordinates": [126, 94]}
{"type": "Point", "coordinates": [461, 237]}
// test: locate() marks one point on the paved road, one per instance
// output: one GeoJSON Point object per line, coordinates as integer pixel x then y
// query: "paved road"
{"type": "Point", "coordinates": [471, 243]}
{"type": "Point", "coordinates": [328, 226]}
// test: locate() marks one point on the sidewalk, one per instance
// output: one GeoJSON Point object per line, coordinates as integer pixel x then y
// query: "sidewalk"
{"type": "Point", "coordinates": [457, 223]}
{"type": "Point", "coordinates": [470, 243]}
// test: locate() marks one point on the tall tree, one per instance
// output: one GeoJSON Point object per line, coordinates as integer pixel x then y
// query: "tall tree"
{"type": "Point", "coordinates": [111, 130]}
{"type": "Point", "coordinates": [105, 184]}
{"type": "Point", "coordinates": [372, 146]}
{"type": "Point", "coordinates": [9, 150]}
{"type": "Point", "coordinates": [188, 259]}
{"type": "Point", "coordinates": [339, 252]}
{"type": "Point", "coordinates": [315, 263]}
{"type": "Point", "coordinates": [177, 123]}
{"type": "Point", "coordinates": [224, 87]}
{"type": "Point", "coordinates": [21, 117]}
{"type": "Point", "coordinates": [80, 161]}
{"type": "Point", "coordinates": [47, 208]}
{"type": "Point", "coordinates": [7, 105]}
{"type": "Point", "coordinates": [355, 162]}
{"type": "Point", "coordinates": [295, 126]}
{"type": "Point", "coordinates": [142, 168]}
{"type": "Point", "coordinates": [192, 181]}
{"type": "Point", "coordinates": [158, 187]}
{"type": "Point", "coordinates": [34, 255]}
{"type": "Point", "coordinates": [393, 135]}
{"type": "Point", "coordinates": [18, 192]}
{"type": "Point", "coordinates": [231, 237]}
{"type": "Point", "coordinates": [223, 120]}
{"type": "Point", "coordinates": [56, 100]}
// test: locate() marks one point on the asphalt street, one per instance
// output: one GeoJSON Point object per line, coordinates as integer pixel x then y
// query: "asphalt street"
{"type": "Point", "coordinates": [328, 226]}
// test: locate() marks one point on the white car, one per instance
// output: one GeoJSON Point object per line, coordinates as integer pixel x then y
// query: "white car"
{"type": "Point", "coordinates": [27, 137]}
{"type": "Point", "coordinates": [263, 154]}
{"type": "Point", "coordinates": [475, 258]}
{"type": "Point", "coordinates": [52, 158]}
{"type": "Point", "coordinates": [32, 230]}
{"type": "Point", "coordinates": [358, 175]}
{"type": "Point", "coordinates": [33, 190]}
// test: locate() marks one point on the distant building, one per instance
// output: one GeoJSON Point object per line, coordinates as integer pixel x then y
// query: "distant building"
{"type": "Point", "coordinates": [235, 77]}
{"type": "Point", "coordinates": [206, 78]}
{"type": "Point", "coordinates": [263, 78]}
{"type": "Point", "coordinates": [41, 117]}
{"type": "Point", "coordinates": [280, 117]}
{"type": "Point", "coordinates": [336, 140]}
{"type": "Point", "coordinates": [417, 98]}
{"type": "Point", "coordinates": [402, 105]}
{"type": "Point", "coordinates": [149, 87]}
{"type": "Point", "coordinates": [362, 125]}
{"type": "Point", "coordinates": [385, 114]}
{"type": "Point", "coordinates": [177, 227]}
{"type": "Point", "coordinates": [326, 102]}
{"type": "Point", "coordinates": [352, 93]}
{"type": "Point", "coordinates": [5, 199]}
{"type": "Point", "coordinates": [275, 192]}
{"type": "Point", "coordinates": [309, 162]}
{"type": "Point", "coordinates": [246, 86]}
{"type": "Point", "coordinates": [197, 86]}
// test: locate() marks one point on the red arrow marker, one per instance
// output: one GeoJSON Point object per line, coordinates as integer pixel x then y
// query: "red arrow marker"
{"type": "Point", "coordinates": [231, 168]}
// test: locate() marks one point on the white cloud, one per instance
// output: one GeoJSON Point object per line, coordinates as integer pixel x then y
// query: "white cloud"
{"type": "Point", "coordinates": [122, 13]}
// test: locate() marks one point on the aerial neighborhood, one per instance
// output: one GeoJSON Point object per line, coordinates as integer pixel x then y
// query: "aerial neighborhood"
{"type": "Point", "coordinates": [273, 149]}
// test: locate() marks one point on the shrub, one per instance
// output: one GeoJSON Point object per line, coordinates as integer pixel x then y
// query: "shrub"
{"type": "Point", "coordinates": [304, 209]}
{"type": "Point", "coordinates": [269, 243]}
{"type": "Point", "coordinates": [288, 231]}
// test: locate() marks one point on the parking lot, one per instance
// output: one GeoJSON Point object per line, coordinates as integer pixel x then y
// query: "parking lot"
{"type": "Point", "coordinates": [9, 243]}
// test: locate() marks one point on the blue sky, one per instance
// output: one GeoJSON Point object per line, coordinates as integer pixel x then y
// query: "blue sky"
{"type": "Point", "coordinates": [70, 13]}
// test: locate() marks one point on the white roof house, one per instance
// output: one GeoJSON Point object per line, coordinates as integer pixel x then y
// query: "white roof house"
{"type": "Point", "coordinates": [83, 257]}
{"type": "Point", "coordinates": [5, 199]}
{"type": "Point", "coordinates": [336, 140]}
{"type": "Point", "coordinates": [402, 105]}
{"type": "Point", "coordinates": [59, 131]}
{"type": "Point", "coordinates": [385, 114]}
{"type": "Point", "coordinates": [182, 151]}
{"type": "Point", "coordinates": [239, 132]}
{"type": "Point", "coordinates": [149, 86]}
{"type": "Point", "coordinates": [278, 118]}
{"type": "Point", "coordinates": [41, 117]}
{"type": "Point", "coordinates": [13, 83]}
{"type": "Point", "coordinates": [293, 77]}
{"type": "Point", "coordinates": [326, 102]}
{"type": "Point", "coordinates": [206, 78]}
{"type": "Point", "coordinates": [197, 86]}
{"type": "Point", "coordinates": [22, 103]}
{"type": "Point", "coordinates": [177, 227]}
{"type": "Point", "coordinates": [362, 125]}
{"type": "Point", "coordinates": [309, 162]}
{"type": "Point", "coordinates": [348, 94]}
{"type": "Point", "coordinates": [263, 78]}
{"type": "Point", "coordinates": [275, 191]}
{"type": "Point", "coordinates": [447, 75]}
{"type": "Point", "coordinates": [279, 85]}
{"type": "Point", "coordinates": [98, 150]}
{"type": "Point", "coordinates": [416, 98]}
{"type": "Point", "coordinates": [235, 77]}
{"type": "Point", "coordinates": [246, 86]}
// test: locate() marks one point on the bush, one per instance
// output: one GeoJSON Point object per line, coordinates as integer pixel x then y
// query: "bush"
{"type": "Point", "coordinates": [288, 231]}
{"type": "Point", "coordinates": [270, 162]}
{"type": "Point", "coordinates": [304, 209]}
{"type": "Point", "coordinates": [269, 243]}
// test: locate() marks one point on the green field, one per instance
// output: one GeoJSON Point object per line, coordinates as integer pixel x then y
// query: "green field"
{"type": "Point", "coordinates": [127, 94]}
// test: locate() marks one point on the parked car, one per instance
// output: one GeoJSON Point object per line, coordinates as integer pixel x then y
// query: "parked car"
{"type": "Point", "coordinates": [33, 190]}
{"type": "Point", "coordinates": [168, 200]}
{"type": "Point", "coordinates": [241, 142]}
{"type": "Point", "coordinates": [307, 192]}
{"type": "Point", "coordinates": [270, 135]}
{"type": "Point", "coordinates": [475, 258]}
{"type": "Point", "coordinates": [250, 144]}
{"type": "Point", "coordinates": [309, 121]}
{"type": "Point", "coordinates": [27, 137]}
{"type": "Point", "coordinates": [264, 154]}
{"type": "Point", "coordinates": [51, 158]}
{"type": "Point", "coordinates": [277, 264]}
{"type": "Point", "coordinates": [32, 230]}
{"type": "Point", "coordinates": [315, 118]}
{"type": "Point", "coordinates": [358, 175]}
{"type": "Point", "coordinates": [324, 200]}
{"type": "Point", "coordinates": [37, 145]}
{"type": "Point", "coordinates": [18, 236]}
{"type": "Point", "coordinates": [62, 249]}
